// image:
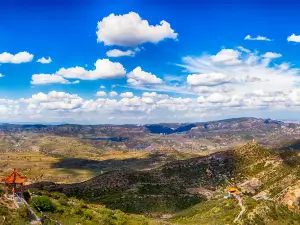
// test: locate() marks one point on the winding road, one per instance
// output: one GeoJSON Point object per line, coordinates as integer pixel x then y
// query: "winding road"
{"type": "Point", "coordinates": [243, 209]}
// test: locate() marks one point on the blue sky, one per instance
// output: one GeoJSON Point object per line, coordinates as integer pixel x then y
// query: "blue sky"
{"type": "Point", "coordinates": [197, 65]}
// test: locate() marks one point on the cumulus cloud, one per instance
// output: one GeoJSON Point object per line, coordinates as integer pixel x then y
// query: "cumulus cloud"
{"type": "Point", "coordinates": [148, 107]}
{"type": "Point", "coordinates": [101, 94]}
{"type": "Point", "coordinates": [1, 75]}
{"type": "Point", "coordinates": [104, 69]}
{"type": "Point", "coordinates": [258, 38]}
{"type": "Point", "coordinates": [119, 53]}
{"type": "Point", "coordinates": [154, 95]}
{"type": "Point", "coordinates": [211, 79]}
{"type": "Point", "coordinates": [113, 94]}
{"type": "Point", "coordinates": [102, 86]}
{"type": "Point", "coordinates": [37, 79]}
{"type": "Point", "coordinates": [51, 96]}
{"type": "Point", "coordinates": [252, 83]}
{"type": "Point", "coordinates": [293, 38]}
{"type": "Point", "coordinates": [232, 81]}
{"type": "Point", "coordinates": [295, 96]}
{"type": "Point", "coordinates": [271, 55]}
{"type": "Point", "coordinates": [227, 56]}
{"type": "Point", "coordinates": [21, 57]}
{"type": "Point", "coordinates": [126, 95]}
{"type": "Point", "coordinates": [131, 30]}
{"type": "Point", "coordinates": [218, 98]}
{"type": "Point", "coordinates": [57, 101]}
{"type": "Point", "coordinates": [43, 60]}
{"type": "Point", "coordinates": [253, 72]}
{"type": "Point", "coordinates": [139, 77]}
{"type": "Point", "coordinates": [214, 98]}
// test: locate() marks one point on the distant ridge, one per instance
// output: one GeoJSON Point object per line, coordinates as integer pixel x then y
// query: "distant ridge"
{"type": "Point", "coordinates": [236, 119]}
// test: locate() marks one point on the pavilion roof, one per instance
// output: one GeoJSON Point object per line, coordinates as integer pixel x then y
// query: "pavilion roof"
{"type": "Point", "coordinates": [14, 178]}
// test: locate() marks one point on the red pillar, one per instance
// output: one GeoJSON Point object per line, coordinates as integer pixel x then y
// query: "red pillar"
{"type": "Point", "coordinates": [22, 190]}
{"type": "Point", "coordinates": [14, 190]}
{"type": "Point", "coordinates": [6, 190]}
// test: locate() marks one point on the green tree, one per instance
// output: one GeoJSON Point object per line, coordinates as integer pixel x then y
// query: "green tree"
{"type": "Point", "coordinates": [43, 203]}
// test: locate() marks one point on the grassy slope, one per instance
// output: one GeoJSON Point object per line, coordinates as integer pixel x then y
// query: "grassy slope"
{"type": "Point", "coordinates": [69, 211]}
{"type": "Point", "coordinates": [10, 213]}
{"type": "Point", "coordinates": [223, 211]}
{"type": "Point", "coordinates": [219, 211]}
{"type": "Point", "coordinates": [277, 170]}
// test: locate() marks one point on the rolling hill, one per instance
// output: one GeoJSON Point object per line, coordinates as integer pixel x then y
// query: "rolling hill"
{"type": "Point", "coordinates": [166, 190]}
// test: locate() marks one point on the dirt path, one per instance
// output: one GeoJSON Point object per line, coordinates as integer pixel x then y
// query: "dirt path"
{"type": "Point", "coordinates": [243, 209]}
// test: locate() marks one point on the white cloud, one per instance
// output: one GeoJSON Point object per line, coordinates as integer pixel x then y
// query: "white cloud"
{"type": "Point", "coordinates": [134, 101]}
{"type": "Point", "coordinates": [293, 38]}
{"type": "Point", "coordinates": [284, 66]}
{"type": "Point", "coordinates": [251, 87]}
{"type": "Point", "coordinates": [56, 101]}
{"type": "Point", "coordinates": [104, 69]}
{"type": "Point", "coordinates": [119, 53]}
{"type": "Point", "coordinates": [37, 79]}
{"type": "Point", "coordinates": [218, 98]}
{"type": "Point", "coordinates": [149, 107]}
{"type": "Point", "coordinates": [271, 55]}
{"type": "Point", "coordinates": [295, 96]}
{"type": "Point", "coordinates": [130, 30]}
{"type": "Point", "coordinates": [1, 75]}
{"type": "Point", "coordinates": [127, 95]}
{"type": "Point", "coordinates": [102, 86]}
{"type": "Point", "coordinates": [148, 100]}
{"type": "Point", "coordinates": [258, 38]}
{"type": "Point", "coordinates": [210, 79]}
{"type": "Point", "coordinates": [101, 94]}
{"type": "Point", "coordinates": [139, 77]}
{"type": "Point", "coordinates": [241, 48]}
{"type": "Point", "coordinates": [227, 56]}
{"type": "Point", "coordinates": [254, 72]}
{"type": "Point", "coordinates": [252, 83]}
{"type": "Point", "coordinates": [113, 94]}
{"type": "Point", "coordinates": [43, 60]}
{"type": "Point", "coordinates": [21, 57]}
{"type": "Point", "coordinates": [214, 98]}
{"type": "Point", "coordinates": [154, 95]}
{"type": "Point", "coordinates": [61, 105]}
{"type": "Point", "coordinates": [50, 97]}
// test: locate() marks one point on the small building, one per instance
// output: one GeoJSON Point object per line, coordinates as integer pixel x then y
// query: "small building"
{"type": "Point", "coordinates": [14, 181]}
{"type": "Point", "coordinates": [233, 190]}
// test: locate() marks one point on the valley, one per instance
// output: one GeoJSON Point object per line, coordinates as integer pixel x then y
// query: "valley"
{"type": "Point", "coordinates": [177, 178]}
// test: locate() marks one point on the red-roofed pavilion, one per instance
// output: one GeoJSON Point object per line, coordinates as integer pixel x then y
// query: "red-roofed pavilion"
{"type": "Point", "coordinates": [13, 180]}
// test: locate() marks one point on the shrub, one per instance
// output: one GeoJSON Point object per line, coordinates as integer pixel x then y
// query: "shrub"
{"type": "Point", "coordinates": [63, 201]}
{"type": "Point", "coordinates": [60, 209]}
{"type": "Point", "coordinates": [57, 195]}
{"type": "Point", "coordinates": [88, 214]}
{"type": "Point", "coordinates": [3, 210]}
{"type": "Point", "coordinates": [77, 210]}
{"type": "Point", "coordinates": [43, 203]}
{"type": "Point", "coordinates": [23, 212]}
{"type": "Point", "coordinates": [82, 205]}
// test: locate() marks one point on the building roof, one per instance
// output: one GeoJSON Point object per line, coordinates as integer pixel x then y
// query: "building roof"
{"type": "Point", "coordinates": [14, 178]}
{"type": "Point", "coordinates": [233, 190]}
